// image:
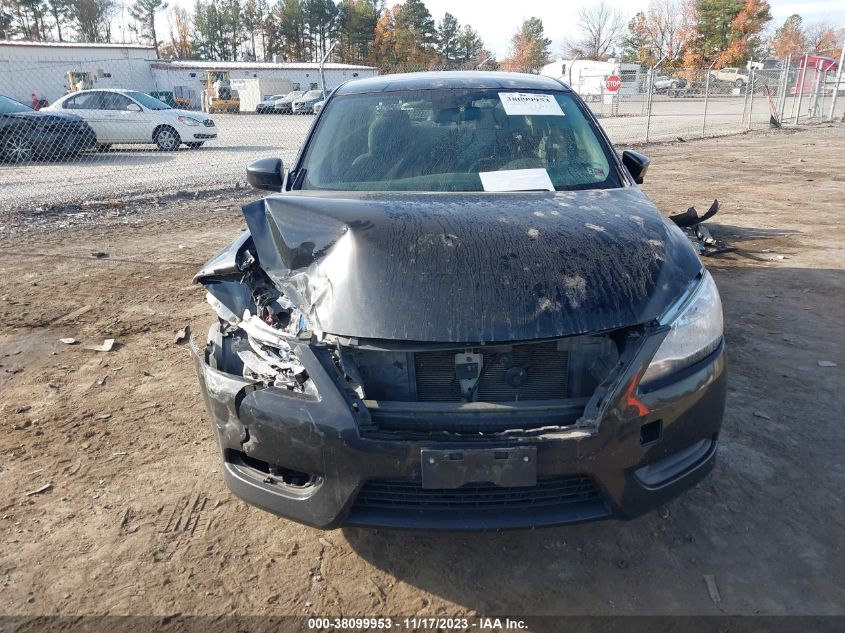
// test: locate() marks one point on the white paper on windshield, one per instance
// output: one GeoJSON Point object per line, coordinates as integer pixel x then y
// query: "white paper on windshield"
{"type": "Point", "coordinates": [530, 103]}
{"type": "Point", "coordinates": [516, 180]}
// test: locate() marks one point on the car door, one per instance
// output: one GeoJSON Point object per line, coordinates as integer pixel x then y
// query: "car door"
{"type": "Point", "coordinates": [86, 105]}
{"type": "Point", "coordinates": [126, 119]}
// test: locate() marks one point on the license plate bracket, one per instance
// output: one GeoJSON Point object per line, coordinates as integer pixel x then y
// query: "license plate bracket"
{"type": "Point", "coordinates": [452, 468]}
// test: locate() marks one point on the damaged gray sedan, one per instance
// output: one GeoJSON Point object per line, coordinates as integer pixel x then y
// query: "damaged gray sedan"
{"type": "Point", "coordinates": [460, 311]}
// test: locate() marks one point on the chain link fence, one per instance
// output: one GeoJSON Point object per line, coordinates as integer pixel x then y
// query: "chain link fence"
{"type": "Point", "coordinates": [122, 145]}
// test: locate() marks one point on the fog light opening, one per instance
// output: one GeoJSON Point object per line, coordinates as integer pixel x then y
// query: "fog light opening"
{"type": "Point", "coordinates": [274, 473]}
{"type": "Point", "coordinates": [651, 432]}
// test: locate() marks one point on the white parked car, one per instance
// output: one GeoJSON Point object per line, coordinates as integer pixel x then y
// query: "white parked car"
{"type": "Point", "coordinates": [128, 116]}
{"type": "Point", "coordinates": [268, 104]}
{"type": "Point", "coordinates": [319, 106]}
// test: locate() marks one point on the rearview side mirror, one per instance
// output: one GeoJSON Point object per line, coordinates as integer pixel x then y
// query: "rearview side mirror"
{"type": "Point", "coordinates": [636, 164]}
{"type": "Point", "coordinates": [265, 173]}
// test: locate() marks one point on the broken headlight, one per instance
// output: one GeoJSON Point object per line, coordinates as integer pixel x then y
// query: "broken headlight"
{"type": "Point", "coordinates": [695, 332]}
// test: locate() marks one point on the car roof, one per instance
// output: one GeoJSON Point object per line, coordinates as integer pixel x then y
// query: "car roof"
{"type": "Point", "coordinates": [450, 79]}
{"type": "Point", "coordinates": [122, 91]}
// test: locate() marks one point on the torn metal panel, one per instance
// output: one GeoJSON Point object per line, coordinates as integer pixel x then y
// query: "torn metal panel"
{"type": "Point", "coordinates": [692, 225]}
{"type": "Point", "coordinates": [691, 218]}
{"type": "Point", "coordinates": [471, 267]}
{"type": "Point", "coordinates": [226, 261]}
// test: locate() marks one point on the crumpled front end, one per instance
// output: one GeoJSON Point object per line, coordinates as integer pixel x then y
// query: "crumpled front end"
{"type": "Point", "coordinates": [335, 428]}
{"type": "Point", "coordinates": [321, 454]}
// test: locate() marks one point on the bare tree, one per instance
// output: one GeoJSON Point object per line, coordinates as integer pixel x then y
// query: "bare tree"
{"type": "Point", "coordinates": [823, 38]}
{"type": "Point", "coordinates": [179, 46]}
{"type": "Point", "coordinates": [601, 29]}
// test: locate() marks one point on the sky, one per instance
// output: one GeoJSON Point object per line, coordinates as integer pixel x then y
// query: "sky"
{"type": "Point", "coordinates": [497, 20]}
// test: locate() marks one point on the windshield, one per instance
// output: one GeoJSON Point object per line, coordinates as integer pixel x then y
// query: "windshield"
{"type": "Point", "coordinates": [10, 106]}
{"type": "Point", "coordinates": [151, 103]}
{"type": "Point", "coordinates": [312, 94]}
{"type": "Point", "coordinates": [294, 95]}
{"type": "Point", "coordinates": [456, 140]}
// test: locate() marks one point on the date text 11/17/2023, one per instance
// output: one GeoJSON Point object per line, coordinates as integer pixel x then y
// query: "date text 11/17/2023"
{"type": "Point", "coordinates": [417, 623]}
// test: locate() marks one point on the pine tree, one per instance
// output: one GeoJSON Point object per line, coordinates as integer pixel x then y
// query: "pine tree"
{"type": "Point", "coordinates": [529, 46]}
{"type": "Point", "coordinates": [448, 38]}
{"type": "Point", "coordinates": [59, 9]}
{"type": "Point", "coordinates": [356, 24]}
{"type": "Point", "coordinates": [416, 33]}
{"type": "Point", "coordinates": [144, 12]}
{"type": "Point", "coordinates": [470, 45]}
{"type": "Point", "coordinates": [93, 19]}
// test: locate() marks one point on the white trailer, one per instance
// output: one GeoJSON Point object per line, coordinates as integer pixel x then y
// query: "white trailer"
{"type": "Point", "coordinates": [587, 77]}
{"type": "Point", "coordinates": [252, 90]}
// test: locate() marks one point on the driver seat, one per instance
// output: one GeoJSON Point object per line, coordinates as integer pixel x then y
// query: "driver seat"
{"type": "Point", "coordinates": [387, 137]}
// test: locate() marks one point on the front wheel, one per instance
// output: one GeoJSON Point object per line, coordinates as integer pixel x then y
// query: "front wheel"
{"type": "Point", "coordinates": [17, 149]}
{"type": "Point", "coordinates": [739, 83]}
{"type": "Point", "coordinates": [194, 145]}
{"type": "Point", "coordinates": [167, 139]}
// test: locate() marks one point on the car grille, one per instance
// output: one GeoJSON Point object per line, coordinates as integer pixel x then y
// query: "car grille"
{"type": "Point", "coordinates": [545, 365]}
{"type": "Point", "coordinates": [554, 501]}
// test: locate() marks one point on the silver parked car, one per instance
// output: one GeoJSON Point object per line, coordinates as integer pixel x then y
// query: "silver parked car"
{"type": "Point", "coordinates": [305, 104]}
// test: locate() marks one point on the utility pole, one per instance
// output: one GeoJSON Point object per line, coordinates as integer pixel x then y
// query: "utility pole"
{"type": "Point", "coordinates": [322, 74]}
{"type": "Point", "coordinates": [651, 73]}
{"type": "Point", "coordinates": [838, 85]}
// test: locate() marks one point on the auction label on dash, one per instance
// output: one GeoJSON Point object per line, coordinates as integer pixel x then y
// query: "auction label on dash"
{"type": "Point", "coordinates": [528, 103]}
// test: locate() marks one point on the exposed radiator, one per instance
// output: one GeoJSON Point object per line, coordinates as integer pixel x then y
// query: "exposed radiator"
{"type": "Point", "coordinates": [536, 371]}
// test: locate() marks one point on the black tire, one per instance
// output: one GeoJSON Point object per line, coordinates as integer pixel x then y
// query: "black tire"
{"type": "Point", "coordinates": [17, 149]}
{"type": "Point", "coordinates": [103, 147]}
{"type": "Point", "coordinates": [195, 145]}
{"type": "Point", "coordinates": [167, 139]}
{"type": "Point", "coordinates": [739, 83]}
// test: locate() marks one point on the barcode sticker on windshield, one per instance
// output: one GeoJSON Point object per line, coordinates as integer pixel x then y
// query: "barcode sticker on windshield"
{"type": "Point", "coordinates": [528, 103]}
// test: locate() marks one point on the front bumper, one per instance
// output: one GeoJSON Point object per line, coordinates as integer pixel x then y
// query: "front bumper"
{"type": "Point", "coordinates": [618, 470]}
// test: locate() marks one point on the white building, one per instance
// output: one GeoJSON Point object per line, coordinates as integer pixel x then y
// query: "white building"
{"type": "Point", "coordinates": [181, 76]}
{"type": "Point", "coordinates": [42, 67]}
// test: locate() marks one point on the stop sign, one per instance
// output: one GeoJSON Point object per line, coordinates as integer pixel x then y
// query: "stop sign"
{"type": "Point", "coordinates": [613, 83]}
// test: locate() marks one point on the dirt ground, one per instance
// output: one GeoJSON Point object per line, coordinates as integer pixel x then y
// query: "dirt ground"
{"type": "Point", "coordinates": [137, 520]}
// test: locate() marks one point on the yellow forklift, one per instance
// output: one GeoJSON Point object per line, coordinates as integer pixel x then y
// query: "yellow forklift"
{"type": "Point", "coordinates": [218, 95]}
{"type": "Point", "coordinates": [79, 80]}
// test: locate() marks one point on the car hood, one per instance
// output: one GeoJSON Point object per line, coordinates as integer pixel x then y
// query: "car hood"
{"type": "Point", "coordinates": [175, 112]}
{"type": "Point", "coordinates": [472, 267]}
{"type": "Point", "coordinates": [46, 116]}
